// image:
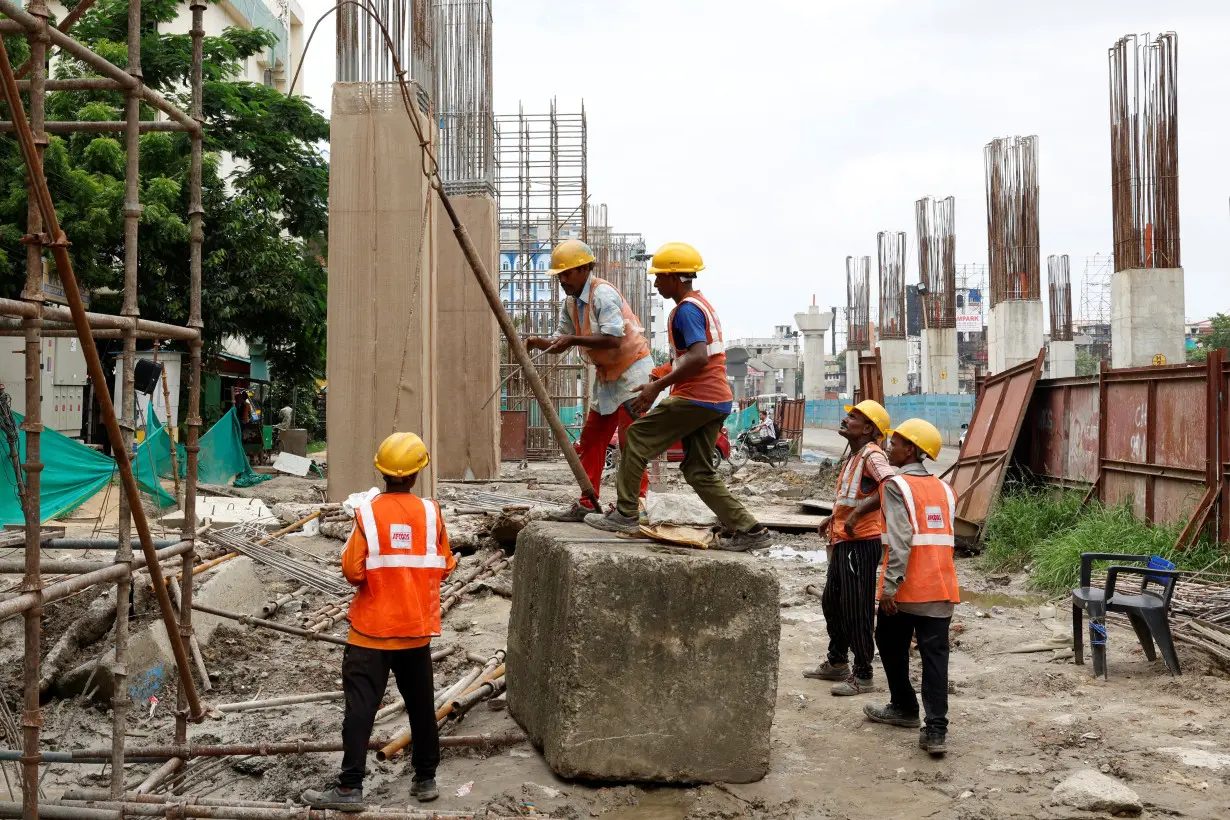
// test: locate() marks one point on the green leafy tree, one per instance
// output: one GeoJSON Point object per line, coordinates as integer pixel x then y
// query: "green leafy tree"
{"type": "Point", "coordinates": [265, 222]}
{"type": "Point", "coordinates": [1219, 338]}
{"type": "Point", "coordinates": [1086, 363]}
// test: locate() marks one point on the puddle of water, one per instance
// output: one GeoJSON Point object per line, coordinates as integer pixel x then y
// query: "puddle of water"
{"type": "Point", "coordinates": [986, 600]}
{"type": "Point", "coordinates": [664, 804]}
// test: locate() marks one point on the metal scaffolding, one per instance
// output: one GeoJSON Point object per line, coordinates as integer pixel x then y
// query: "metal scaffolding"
{"type": "Point", "coordinates": [627, 269]}
{"type": "Point", "coordinates": [463, 96]}
{"type": "Point", "coordinates": [937, 261]}
{"type": "Point", "coordinates": [43, 235]}
{"type": "Point", "coordinates": [1059, 283]}
{"type": "Point", "coordinates": [1095, 290]}
{"type": "Point", "coordinates": [1144, 141]}
{"type": "Point", "coordinates": [891, 249]}
{"type": "Point", "coordinates": [858, 302]}
{"type": "Point", "coordinates": [543, 197]}
{"type": "Point", "coordinates": [1012, 218]}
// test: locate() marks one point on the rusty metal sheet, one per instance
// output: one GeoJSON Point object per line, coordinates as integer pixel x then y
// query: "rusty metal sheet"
{"type": "Point", "coordinates": [790, 414]}
{"type": "Point", "coordinates": [514, 431]}
{"type": "Point", "coordinates": [871, 376]}
{"type": "Point", "coordinates": [1061, 431]}
{"type": "Point", "coordinates": [978, 475]}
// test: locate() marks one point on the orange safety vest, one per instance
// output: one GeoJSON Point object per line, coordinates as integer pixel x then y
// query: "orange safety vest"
{"type": "Point", "coordinates": [633, 346]}
{"type": "Point", "coordinates": [709, 385]}
{"type": "Point", "coordinates": [400, 594]}
{"type": "Point", "coordinates": [930, 574]}
{"type": "Point", "coordinates": [850, 494]}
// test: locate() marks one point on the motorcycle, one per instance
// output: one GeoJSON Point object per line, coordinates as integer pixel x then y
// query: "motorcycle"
{"type": "Point", "coordinates": [750, 446]}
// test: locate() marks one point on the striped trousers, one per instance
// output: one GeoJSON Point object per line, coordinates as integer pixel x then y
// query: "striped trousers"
{"type": "Point", "coordinates": [849, 603]}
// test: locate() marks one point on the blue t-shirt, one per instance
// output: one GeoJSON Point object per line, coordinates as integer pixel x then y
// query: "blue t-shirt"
{"type": "Point", "coordinates": [687, 329]}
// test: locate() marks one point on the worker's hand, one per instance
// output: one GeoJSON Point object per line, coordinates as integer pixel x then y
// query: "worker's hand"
{"type": "Point", "coordinates": [559, 344]}
{"type": "Point", "coordinates": [851, 520]}
{"type": "Point", "coordinates": [888, 603]}
{"type": "Point", "coordinates": [536, 343]}
{"type": "Point", "coordinates": [823, 527]}
{"type": "Point", "coordinates": [646, 395]}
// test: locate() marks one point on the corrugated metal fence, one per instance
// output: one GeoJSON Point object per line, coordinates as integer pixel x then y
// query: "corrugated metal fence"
{"type": "Point", "coordinates": [946, 412]}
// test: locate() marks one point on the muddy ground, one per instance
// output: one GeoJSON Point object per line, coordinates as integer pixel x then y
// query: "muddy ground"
{"type": "Point", "coordinates": [1021, 722]}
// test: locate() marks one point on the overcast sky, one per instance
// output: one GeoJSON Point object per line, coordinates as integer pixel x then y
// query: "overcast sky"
{"type": "Point", "coordinates": [779, 136]}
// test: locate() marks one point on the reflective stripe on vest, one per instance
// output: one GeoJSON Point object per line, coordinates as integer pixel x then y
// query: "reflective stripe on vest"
{"type": "Point", "coordinates": [847, 487]}
{"type": "Point", "coordinates": [920, 537]}
{"type": "Point", "coordinates": [930, 574]}
{"type": "Point", "coordinates": [716, 344]}
{"type": "Point", "coordinates": [402, 557]}
{"type": "Point", "coordinates": [632, 347]}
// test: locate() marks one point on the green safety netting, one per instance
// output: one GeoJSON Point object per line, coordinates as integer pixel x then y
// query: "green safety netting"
{"type": "Point", "coordinates": [153, 458]}
{"type": "Point", "coordinates": [221, 457]}
{"type": "Point", "coordinates": [741, 420]}
{"type": "Point", "coordinates": [72, 473]}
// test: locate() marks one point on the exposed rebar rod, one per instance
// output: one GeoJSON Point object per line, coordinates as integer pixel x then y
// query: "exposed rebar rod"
{"type": "Point", "coordinates": [858, 302]}
{"type": "Point", "coordinates": [64, 267]}
{"type": "Point", "coordinates": [1059, 285]}
{"type": "Point", "coordinates": [1012, 219]}
{"type": "Point", "coordinates": [890, 249]}
{"type": "Point", "coordinates": [937, 257]}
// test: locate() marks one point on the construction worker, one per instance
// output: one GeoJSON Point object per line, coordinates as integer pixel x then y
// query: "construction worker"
{"type": "Point", "coordinates": [396, 557]}
{"type": "Point", "coordinates": [699, 403]}
{"type": "Point", "coordinates": [918, 587]}
{"type": "Point", "coordinates": [855, 548]}
{"type": "Point", "coordinates": [597, 319]}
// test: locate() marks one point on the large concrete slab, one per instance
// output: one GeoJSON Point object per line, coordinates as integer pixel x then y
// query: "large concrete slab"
{"type": "Point", "coordinates": [1014, 333]}
{"type": "Point", "coordinates": [940, 364]}
{"type": "Point", "coordinates": [1146, 317]}
{"type": "Point", "coordinates": [468, 353]}
{"type": "Point", "coordinates": [383, 328]}
{"type": "Point", "coordinates": [1061, 359]}
{"type": "Point", "coordinates": [629, 664]}
{"type": "Point", "coordinates": [895, 366]}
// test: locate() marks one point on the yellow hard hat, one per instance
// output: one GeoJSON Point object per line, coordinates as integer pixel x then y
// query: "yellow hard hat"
{"type": "Point", "coordinates": [569, 254]}
{"type": "Point", "coordinates": [922, 434]}
{"type": "Point", "coordinates": [676, 257]}
{"type": "Point", "coordinates": [874, 411]}
{"type": "Point", "coordinates": [401, 455]}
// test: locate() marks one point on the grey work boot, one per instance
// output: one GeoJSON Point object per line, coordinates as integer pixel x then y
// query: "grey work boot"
{"type": "Point", "coordinates": [336, 798]}
{"type": "Point", "coordinates": [744, 541]}
{"type": "Point", "coordinates": [853, 686]}
{"type": "Point", "coordinates": [829, 671]}
{"type": "Point", "coordinates": [424, 790]}
{"type": "Point", "coordinates": [933, 743]}
{"type": "Point", "coordinates": [892, 716]}
{"type": "Point", "coordinates": [573, 515]}
{"type": "Point", "coordinates": [614, 521]}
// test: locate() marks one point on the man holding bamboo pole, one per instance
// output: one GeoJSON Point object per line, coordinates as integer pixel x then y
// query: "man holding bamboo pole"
{"type": "Point", "coordinates": [396, 558]}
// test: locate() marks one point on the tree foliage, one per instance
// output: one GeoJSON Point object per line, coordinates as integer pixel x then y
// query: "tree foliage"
{"type": "Point", "coordinates": [265, 191]}
{"type": "Point", "coordinates": [1219, 338]}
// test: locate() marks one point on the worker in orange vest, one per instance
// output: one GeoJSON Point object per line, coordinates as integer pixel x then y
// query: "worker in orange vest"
{"type": "Point", "coordinates": [855, 549]}
{"type": "Point", "coordinates": [918, 585]}
{"type": "Point", "coordinates": [396, 557]}
{"type": "Point", "coordinates": [699, 403]}
{"type": "Point", "coordinates": [596, 319]}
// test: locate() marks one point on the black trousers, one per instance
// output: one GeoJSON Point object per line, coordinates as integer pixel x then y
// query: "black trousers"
{"type": "Point", "coordinates": [849, 603]}
{"type": "Point", "coordinates": [365, 674]}
{"type": "Point", "coordinates": [893, 634]}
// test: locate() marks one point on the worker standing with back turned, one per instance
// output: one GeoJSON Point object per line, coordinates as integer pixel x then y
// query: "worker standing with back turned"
{"type": "Point", "coordinates": [597, 319]}
{"type": "Point", "coordinates": [855, 549]}
{"type": "Point", "coordinates": [699, 403]}
{"type": "Point", "coordinates": [918, 587]}
{"type": "Point", "coordinates": [396, 557]}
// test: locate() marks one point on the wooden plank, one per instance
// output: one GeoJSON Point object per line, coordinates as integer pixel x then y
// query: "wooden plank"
{"type": "Point", "coordinates": [814, 506]}
{"type": "Point", "coordinates": [780, 518]}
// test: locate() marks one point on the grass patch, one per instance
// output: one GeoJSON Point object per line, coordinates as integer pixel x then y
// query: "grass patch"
{"type": "Point", "coordinates": [1046, 533]}
{"type": "Point", "coordinates": [317, 446]}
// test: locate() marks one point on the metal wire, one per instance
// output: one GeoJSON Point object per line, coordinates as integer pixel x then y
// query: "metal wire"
{"type": "Point", "coordinates": [858, 302]}
{"type": "Point", "coordinates": [1144, 138]}
{"type": "Point", "coordinates": [463, 96]}
{"type": "Point", "coordinates": [890, 246]}
{"type": "Point", "coordinates": [1059, 283]}
{"type": "Point", "coordinates": [364, 55]}
{"type": "Point", "coordinates": [937, 261]}
{"type": "Point", "coordinates": [244, 539]}
{"type": "Point", "coordinates": [1012, 218]}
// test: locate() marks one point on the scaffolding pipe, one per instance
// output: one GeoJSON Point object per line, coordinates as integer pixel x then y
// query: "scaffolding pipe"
{"type": "Point", "coordinates": [75, 84]}
{"type": "Point", "coordinates": [100, 127]}
{"type": "Point", "coordinates": [98, 543]}
{"type": "Point", "coordinates": [252, 620]}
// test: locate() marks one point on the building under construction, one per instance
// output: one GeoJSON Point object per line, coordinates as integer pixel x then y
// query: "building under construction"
{"type": "Point", "coordinates": [937, 293]}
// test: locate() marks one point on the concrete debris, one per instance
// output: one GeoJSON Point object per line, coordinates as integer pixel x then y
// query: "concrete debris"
{"type": "Point", "coordinates": [1090, 790]}
{"type": "Point", "coordinates": [678, 508]}
{"type": "Point", "coordinates": [292, 464]}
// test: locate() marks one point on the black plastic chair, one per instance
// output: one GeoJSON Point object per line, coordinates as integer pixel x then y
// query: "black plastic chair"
{"type": "Point", "coordinates": [1148, 609]}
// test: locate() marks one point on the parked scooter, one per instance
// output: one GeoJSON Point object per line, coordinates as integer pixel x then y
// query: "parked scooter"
{"type": "Point", "coordinates": [754, 447]}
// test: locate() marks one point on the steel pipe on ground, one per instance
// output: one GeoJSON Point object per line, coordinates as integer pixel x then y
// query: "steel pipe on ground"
{"type": "Point", "coordinates": [251, 620]}
{"type": "Point", "coordinates": [144, 805]}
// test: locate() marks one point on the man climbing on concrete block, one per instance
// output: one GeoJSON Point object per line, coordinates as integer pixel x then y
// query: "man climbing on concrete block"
{"type": "Point", "coordinates": [699, 403]}
{"type": "Point", "coordinates": [855, 548]}
{"type": "Point", "coordinates": [598, 320]}
{"type": "Point", "coordinates": [918, 585]}
{"type": "Point", "coordinates": [396, 558]}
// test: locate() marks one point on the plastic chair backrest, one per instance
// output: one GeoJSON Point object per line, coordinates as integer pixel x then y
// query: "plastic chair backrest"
{"type": "Point", "coordinates": [1158, 562]}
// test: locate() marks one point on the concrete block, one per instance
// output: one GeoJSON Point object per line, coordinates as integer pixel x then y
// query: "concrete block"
{"type": "Point", "coordinates": [853, 380]}
{"type": "Point", "coordinates": [813, 325]}
{"type": "Point", "coordinates": [224, 511]}
{"type": "Point", "coordinates": [895, 366]}
{"type": "Point", "coordinates": [1146, 317]}
{"type": "Point", "coordinates": [232, 585]}
{"type": "Point", "coordinates": [1061, 359]}
{"type": "Point", "coordinates": [1014, 333]}
{"type": "Point", "coordinates": [940, 366]}
{"type": "Point", "coordinates": [625, 664]}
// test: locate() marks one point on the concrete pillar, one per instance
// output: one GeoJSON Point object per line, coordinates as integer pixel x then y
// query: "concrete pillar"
{"type": "Point", "coordinates": [894, 367]}
{"type": "Point", "coordinates": [1014, 333]}
{"type": "Point", "coordinates": [853, 382]}
{"type": "Point", "coordinates": [813, 325]}
{"type": "Point", "coordinates": [1146, 317]}
{"type": "Point", "coordinates": [788, 364]}
{"type": "Point", "coordinates": [382, 286]}
{"type": "Point", "coordinates": [1061, 356]}
{"type": "Point", "coordinates": [939, 361]}
{"type": "Point", "coordinates": [468, 352]}
{"type": "Point", "coordinates": [736, 370]}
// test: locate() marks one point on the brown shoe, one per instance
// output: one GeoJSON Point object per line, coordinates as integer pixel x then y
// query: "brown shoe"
{"type": "Point", "coordinates": [853, 686]}
{"type": "Point", "coordinates": [827, 671]}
